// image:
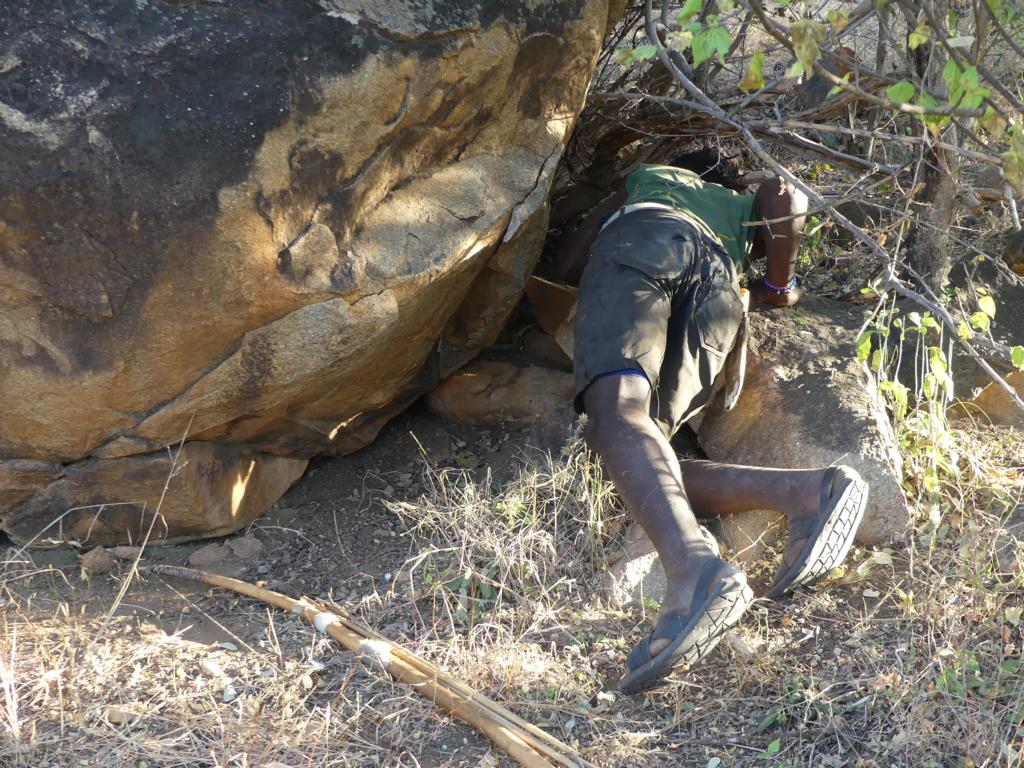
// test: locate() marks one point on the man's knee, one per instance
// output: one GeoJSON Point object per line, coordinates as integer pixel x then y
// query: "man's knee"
{"type": "Point", "coordinates": [614, 421]}
{"type": "Point", "coordinates": [777, 198]}
{"type": "Point", "coordinates": [615, 405]}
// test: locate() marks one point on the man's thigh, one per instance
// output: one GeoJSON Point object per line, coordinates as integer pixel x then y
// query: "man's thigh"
{"type": "Point", "coordinates": [621, 325]}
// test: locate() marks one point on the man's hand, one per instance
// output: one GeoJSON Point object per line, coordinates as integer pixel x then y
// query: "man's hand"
{"type": "Point", "coordinates": [768, 296]}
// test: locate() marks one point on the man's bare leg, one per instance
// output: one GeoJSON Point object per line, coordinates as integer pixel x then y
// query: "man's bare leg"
{"type": "Point", "coordinates": [779, 243]}
{"type": "Point", "coordinates": [724, 489]}
{"type": "Point", "coordinates": [647, 476]}
{"type": "Point", "coordinates": [665, 496]}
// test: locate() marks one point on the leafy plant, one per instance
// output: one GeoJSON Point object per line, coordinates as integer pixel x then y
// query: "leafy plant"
{"type": "Point", "coordinates": [892, 342]}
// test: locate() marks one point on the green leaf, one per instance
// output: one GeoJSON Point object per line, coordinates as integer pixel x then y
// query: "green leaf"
{"type": "Point", "coordinates": [690, 9]}
{"type": "Point", "coordinates": [806, 37]}
{"type": "Point", "coordinates": [900, 396]}
{"type": "Point", "coordinates": [965, 88]}
{"type": "Point", "coordinates": [645, 52]}
{"type": "Point", "coordinates": [714, 39]}
{"type": "Point", "coordinates": [838, 20]}
{"type": "Point", "coordinates": [987, 305]}
{"type": "Point", "coordinates": [754, 79]}
{"type": "Point", "coordinates": [767, 721]}
{"type": "Point", "coordinates": [774, 747]}
{"type": "Point", "coordinates": [864, 347]}
{"type": "Point", "coordinates": [952, 75]}
{"type": "Point", "coordinates": [993, 122]}
{"type": "Point", "coordinates": [964, 332]}
{"type": "Point", "coordinates": [920, 35]}
{"type": "Point", "coordinates": [1013, 159]}
{"type": "Point", "coordinates": [935, 123]}
{"type": "Point", "coordinates": [901, 92]}
{"type": "Point", "coordinates": [1017, 357]}
{"type": "Point", "coordinates": [980, 321]}
{"type": "Point", "coordinates": [624, 57]}
{"type": "Point", "coordinates": [836, 88]}
{"type": "Point", "coordinates": [680, 40]}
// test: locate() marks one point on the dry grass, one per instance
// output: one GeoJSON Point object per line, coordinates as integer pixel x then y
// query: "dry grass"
{"type": "Point", "coordinates": [908, 658]}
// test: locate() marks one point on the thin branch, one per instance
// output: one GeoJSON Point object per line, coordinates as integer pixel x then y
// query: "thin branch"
{"type": "Point", "coordinates": [892, 137]}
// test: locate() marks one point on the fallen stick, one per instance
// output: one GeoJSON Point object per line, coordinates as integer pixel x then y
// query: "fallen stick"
{"type": "Point", "coordinates": [525, 742]}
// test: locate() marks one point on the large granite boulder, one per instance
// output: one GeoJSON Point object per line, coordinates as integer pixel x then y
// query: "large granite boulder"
{"type": "Point", "coordinates": [269, 224]}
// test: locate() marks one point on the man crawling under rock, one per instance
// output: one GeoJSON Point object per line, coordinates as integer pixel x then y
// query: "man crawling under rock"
{"type": "Point", "coordinates": [659, 312]}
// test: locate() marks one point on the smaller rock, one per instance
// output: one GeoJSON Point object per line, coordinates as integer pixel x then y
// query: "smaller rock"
{"type": "Point", "coordinates": [994, 403]}
{"type": "Point", "coordinates": [490, 394]}
{"type": "Point", "coordinates": [97, 560]}
{"type": "Point", "coordinates": [245, 547]}
{"type": "Point", "coordinates": [125, 552]}
{"type": "Point", "coordinates": [211, 554]}
{"type": "Point", "coordinates": [210, 668]}
{"type": "Point", "coordinates": [120, 716]}
{"type": "Point", "coordinates": [806, 402]}
{"type": "Point", "coordinates": [544, 350]}
{"type": "Point", "coordinates": [638, 575]}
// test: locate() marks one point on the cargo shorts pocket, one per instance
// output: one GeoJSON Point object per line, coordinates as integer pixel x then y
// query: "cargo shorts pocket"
{"type": "Point", "coordinates": [719, 313]}
{"type": "Point", "coordinates": [659, 246]}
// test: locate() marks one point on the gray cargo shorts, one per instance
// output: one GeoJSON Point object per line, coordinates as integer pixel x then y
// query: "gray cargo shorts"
{"type": "Point", "coordinates": [660, 298]}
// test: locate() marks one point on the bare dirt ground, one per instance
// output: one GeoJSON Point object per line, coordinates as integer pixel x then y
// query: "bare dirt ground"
{"type": "Point", "coordinates": [481, 551]}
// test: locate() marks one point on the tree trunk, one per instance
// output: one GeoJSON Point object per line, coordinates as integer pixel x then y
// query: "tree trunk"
{"type": "Point", "coordinates": [928, 246]}
{"type": "Point", "coordinates": [928, 243]}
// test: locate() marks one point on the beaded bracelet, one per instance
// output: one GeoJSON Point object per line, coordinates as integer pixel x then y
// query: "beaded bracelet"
{"type": "Point", "coordinates": [781, 291]}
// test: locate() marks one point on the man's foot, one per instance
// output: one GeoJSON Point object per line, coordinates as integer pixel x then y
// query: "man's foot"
{"type": "Point", "coordinates": [681, 590]}
{"type": "Point", "coordinates": [821, 535]}
{"type": "Point", "coordinates": [693, 619]}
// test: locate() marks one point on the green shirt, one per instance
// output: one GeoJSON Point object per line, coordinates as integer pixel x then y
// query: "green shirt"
{"type": "Point", "coordinates": [714, 209]}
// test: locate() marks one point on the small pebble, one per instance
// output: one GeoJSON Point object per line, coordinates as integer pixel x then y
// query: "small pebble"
{"type": "Point", "coordinates": [211, 668]}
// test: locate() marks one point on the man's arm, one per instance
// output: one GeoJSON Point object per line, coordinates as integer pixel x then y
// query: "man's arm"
{"type": "Point", "coordinates": [778, 242]}
{"type": "Point", "coordinates": [576, 249]}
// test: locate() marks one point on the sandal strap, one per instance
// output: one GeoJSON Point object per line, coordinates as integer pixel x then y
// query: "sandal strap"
{"type": "Point", "coordinates": [670, 625]}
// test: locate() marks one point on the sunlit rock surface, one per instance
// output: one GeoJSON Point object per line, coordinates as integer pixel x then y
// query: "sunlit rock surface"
{"type": "Point", "coordinates": [269, 225]}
